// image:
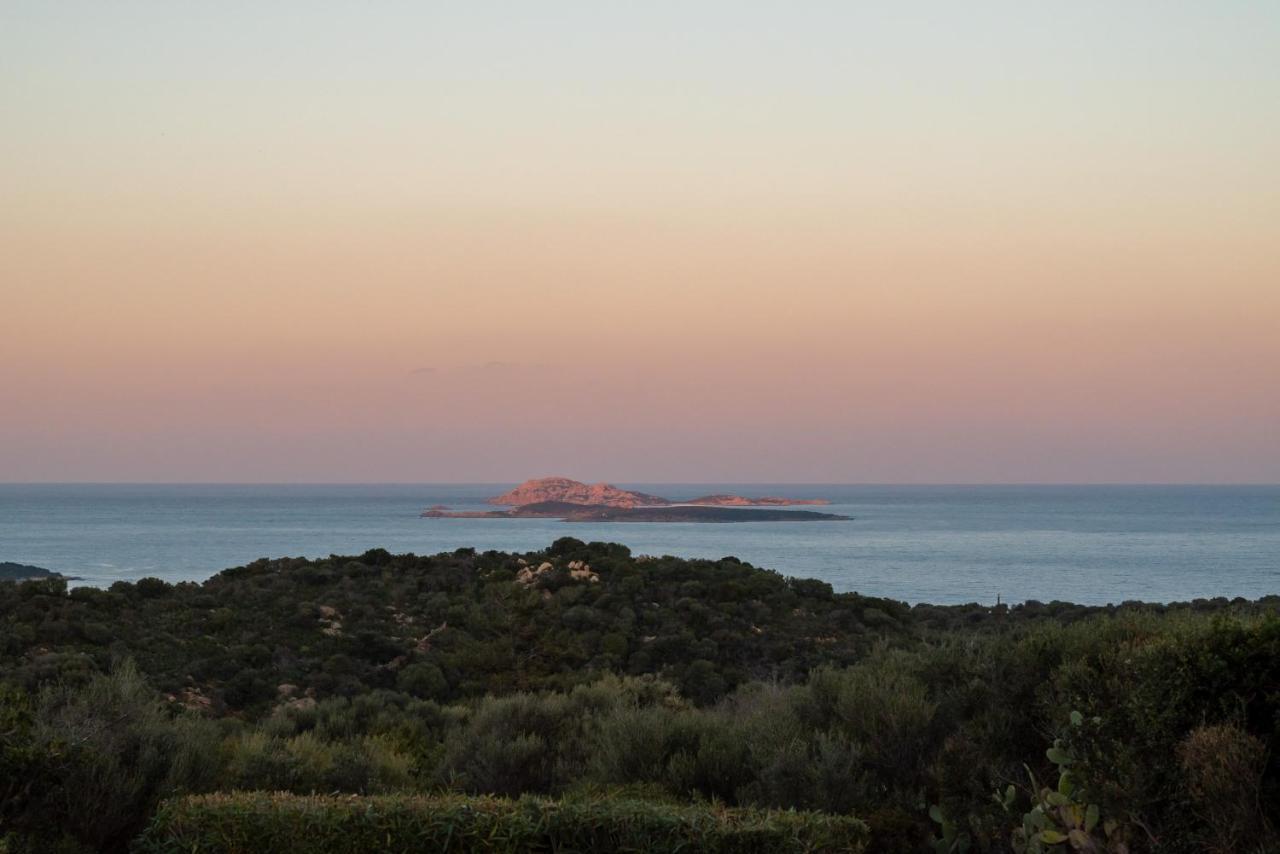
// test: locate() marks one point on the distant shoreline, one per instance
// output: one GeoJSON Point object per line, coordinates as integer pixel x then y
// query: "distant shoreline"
{"type": "Point", "coordinates": [10, 571]}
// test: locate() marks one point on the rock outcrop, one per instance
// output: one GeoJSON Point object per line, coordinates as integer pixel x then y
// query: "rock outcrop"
{"type": "Point", "coordinates": [545, 489]}
{"type": "Point", "coordinates": [578, 571]}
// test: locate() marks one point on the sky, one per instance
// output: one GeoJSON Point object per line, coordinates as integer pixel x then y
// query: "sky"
{"type": "Point", "coordinates": [916, 242]}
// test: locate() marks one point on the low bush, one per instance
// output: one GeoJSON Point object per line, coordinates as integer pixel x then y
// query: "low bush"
{"type": "Point", "coordinates": [1222, 773]}
{"type": "Point", "coordinates": [100, 756]}
{"type": "Point", "coordinates": [254, 822]}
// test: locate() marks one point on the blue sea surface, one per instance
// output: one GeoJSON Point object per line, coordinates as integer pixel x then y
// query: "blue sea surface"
{"type": "Point", "coordinates": [944, 544]}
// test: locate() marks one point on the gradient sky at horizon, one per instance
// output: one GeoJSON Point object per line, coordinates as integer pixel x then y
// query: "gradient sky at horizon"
{"type": "Point", "coordinates": [708, 241]}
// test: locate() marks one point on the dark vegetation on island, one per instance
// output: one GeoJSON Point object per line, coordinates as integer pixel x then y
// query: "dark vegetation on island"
{"type": "Point", "coordinates": [571, 512]}
{"type": "Point", "coordinates": [625, 697]}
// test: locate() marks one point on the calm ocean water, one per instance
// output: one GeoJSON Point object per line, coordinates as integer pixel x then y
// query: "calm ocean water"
{"type": "Point", "coordinates": [945, 544]}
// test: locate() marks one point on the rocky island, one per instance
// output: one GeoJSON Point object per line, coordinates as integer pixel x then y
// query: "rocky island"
{"type": "Point", "coordinates": [539, 490]}
{"type": "Point", "coordinates": [573, 501]}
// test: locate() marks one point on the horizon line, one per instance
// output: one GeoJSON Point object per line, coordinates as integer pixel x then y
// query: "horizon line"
{"type": "Point", "coordinates": [993, 483]}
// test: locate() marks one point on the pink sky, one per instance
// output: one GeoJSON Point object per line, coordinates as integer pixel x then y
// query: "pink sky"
{"type": "Point", "coordinates": [636, 264]}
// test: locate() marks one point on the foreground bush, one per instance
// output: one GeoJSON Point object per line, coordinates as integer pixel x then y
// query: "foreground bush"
{"type": "Point", "coordinates": [254, 822]}
{"type": "Point", "coordinates": [97, 758]}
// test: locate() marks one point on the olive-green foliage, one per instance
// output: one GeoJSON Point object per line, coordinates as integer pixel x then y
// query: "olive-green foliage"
{"type": "Point", "coordinates": [1151, 682]}
{"type": "Point", "coordinates": [538, 742]}
{"type": "Point", "coordinates": [22, 761]}
{"type": "Point", "coordinates": [753, 748]}
{"type": "Point", "coordinates": [243, 823]}
{"type": "Point", "coordinates": [1222, 769]}
{"type": "Point", "coordinates": [305, 763]}
{"type": "Point", "coordinates": [885, 706]}
{"type": "Point", "coordinates": [106, 752]}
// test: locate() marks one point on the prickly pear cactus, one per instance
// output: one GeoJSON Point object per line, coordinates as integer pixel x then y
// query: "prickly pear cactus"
{"type": "Point", "coordinates": [1064, 819]}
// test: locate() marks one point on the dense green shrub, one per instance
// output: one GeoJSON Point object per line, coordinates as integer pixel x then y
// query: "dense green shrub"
{"type": "Point", "coordinates": [255, 822]}
{"type": "Point", "coordinates": [103, 754]}
{"type": "Point", "coordinates": [22, 762]}
{"type": "Point", "coordinates": [305, 764]}
{"type": "Point", "coordinates": [885, 707]}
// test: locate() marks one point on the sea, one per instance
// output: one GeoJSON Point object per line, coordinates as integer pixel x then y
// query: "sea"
{"type": "Point", "coordinates": [940, 544]}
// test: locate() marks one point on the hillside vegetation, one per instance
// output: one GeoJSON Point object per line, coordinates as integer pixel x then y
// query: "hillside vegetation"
{"type": "Point", "coordinates": [585, 674]}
